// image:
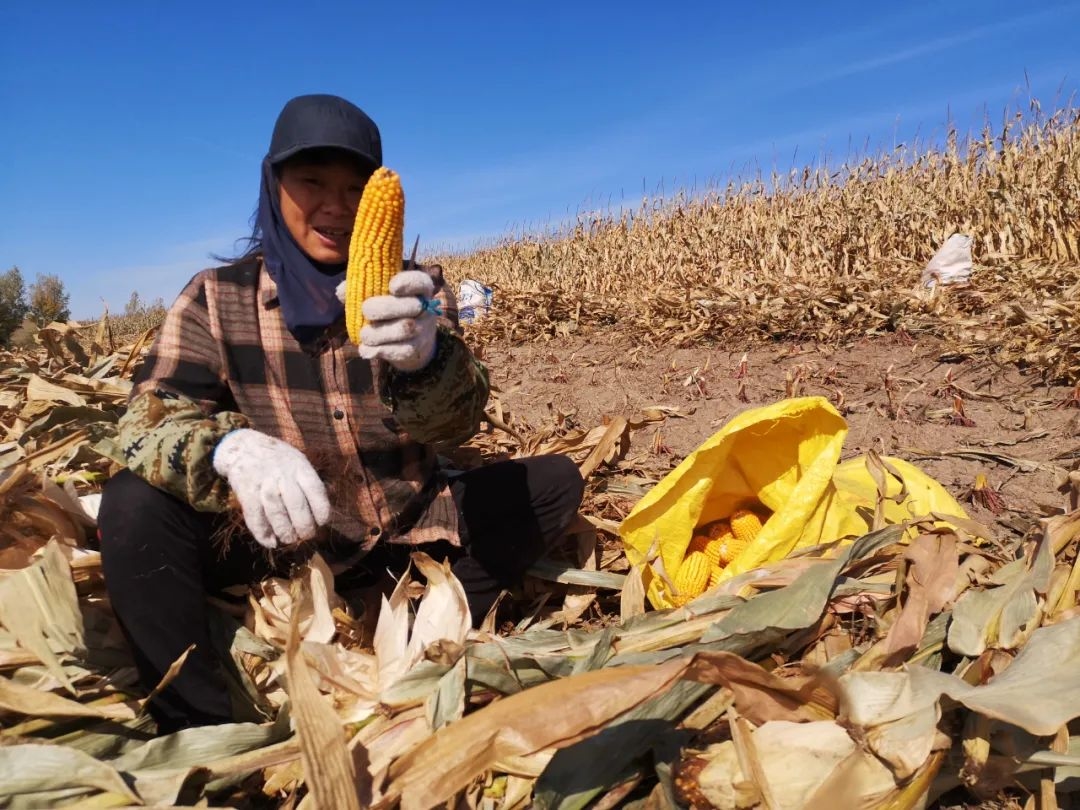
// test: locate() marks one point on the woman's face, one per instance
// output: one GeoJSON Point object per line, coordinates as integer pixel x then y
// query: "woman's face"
{"type": "Point", "coordinates": [318, 203]}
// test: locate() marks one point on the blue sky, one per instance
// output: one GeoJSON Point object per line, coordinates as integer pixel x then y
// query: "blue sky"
{"type": "Point", "coordinates": [132, 131]}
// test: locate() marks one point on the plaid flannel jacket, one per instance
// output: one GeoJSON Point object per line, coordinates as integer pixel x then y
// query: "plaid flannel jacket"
{"type": "Point", "coordinates": [224, 360]}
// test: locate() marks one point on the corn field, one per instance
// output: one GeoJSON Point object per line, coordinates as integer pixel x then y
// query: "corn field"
{"type": "Point", "coordinates": [824, 254]}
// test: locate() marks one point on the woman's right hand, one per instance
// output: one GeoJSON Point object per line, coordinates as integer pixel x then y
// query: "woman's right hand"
{"type": "Point", "coordinates": [282, 497]}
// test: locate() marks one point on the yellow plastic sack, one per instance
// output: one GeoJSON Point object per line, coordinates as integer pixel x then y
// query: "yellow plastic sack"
{"type": "Point", "coordinates": [784, 457]}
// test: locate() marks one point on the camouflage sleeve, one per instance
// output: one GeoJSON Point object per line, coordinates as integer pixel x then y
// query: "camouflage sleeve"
{"type": "Point", "coordinates": [180, 406]}
{"type": "Point", "coordinates": [442, 403]}
{"type": "Point", "coordinates": [169, 441]}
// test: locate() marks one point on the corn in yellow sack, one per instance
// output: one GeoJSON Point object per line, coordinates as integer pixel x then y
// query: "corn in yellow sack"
{"type": "Point", "coordinates": [780, 460]}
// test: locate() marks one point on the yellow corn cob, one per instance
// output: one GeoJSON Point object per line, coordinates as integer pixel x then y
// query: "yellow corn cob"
{"type": "Point", "coordinates": [714, 577]}
{"type": "Point", "coordinates": [702, 543]}
{"type": "Point", "coordinates": [730, 548]}
{"type": "Point", "coordinates": [376, 247]}
{"type": "Point", "coordinates": [693, 575]}
{"type": "Point", "coordinates": [745, 525]}
{"type": "Point", "coordinates": [710, 539]}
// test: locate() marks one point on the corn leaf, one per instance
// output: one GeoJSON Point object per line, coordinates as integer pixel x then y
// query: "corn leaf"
{"type": "Point", "coordinates": [29, 769]}
{"type": "Point", "coordinates": [26, 700]}
{"type": "Point", "coordinates": [328, 766]}
{"type": "Point", "coordinates": [1001, 617]}
{"type": "Point", "coordinates": [1018, 695]}
{"type": "Point", "coordinates": [39, 607]}
{"type": "Point", "coordinates": [614, 750]}
{"type": "Point", "coordinates": [550, 715]}
{"type": "Point", "coordinates": [774, 614]}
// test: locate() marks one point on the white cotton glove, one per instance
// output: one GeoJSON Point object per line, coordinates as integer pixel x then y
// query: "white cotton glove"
{"type": "Point", "coordinates": [397, 328]}
{"type": "Point", "coordinates": [281, 495]}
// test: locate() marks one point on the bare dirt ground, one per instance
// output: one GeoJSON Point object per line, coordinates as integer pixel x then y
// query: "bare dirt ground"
{"type": "Point", "coordinates": [900, 397]}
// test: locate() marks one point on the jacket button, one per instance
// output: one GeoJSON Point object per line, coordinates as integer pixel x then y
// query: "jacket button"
{"type": "Point", "coordinates": [339, 414]}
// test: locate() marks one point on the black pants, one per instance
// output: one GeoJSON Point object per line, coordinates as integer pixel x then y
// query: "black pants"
{"type": "Point", "coordinates": [160, 562]}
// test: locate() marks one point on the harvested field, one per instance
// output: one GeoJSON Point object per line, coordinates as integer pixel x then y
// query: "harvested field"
{"type": "Point", "coordinates": [827, 255]}
{"type": "Point", "coordinates": [919, 660]}
{"type": "Point", "coordinates": [899, 398]}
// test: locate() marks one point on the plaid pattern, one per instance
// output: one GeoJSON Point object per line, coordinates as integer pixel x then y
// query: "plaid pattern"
{"type": "Point", "coordinates": [224, 359]}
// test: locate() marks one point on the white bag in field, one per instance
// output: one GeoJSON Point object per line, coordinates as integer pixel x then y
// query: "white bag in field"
{"type": "Point", "coordinates": [951, 264]}
{"type": "Point", "coordinates": [474, 300]}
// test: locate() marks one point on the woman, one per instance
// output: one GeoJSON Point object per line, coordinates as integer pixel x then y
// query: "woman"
{"type": "Point", "coordinates": [252, 398]}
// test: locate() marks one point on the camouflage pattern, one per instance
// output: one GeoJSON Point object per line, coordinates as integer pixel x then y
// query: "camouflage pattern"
{"type": "Point", "coordinates": [438, 404]}
{"type": "Point", "coordinates": [170, 442]}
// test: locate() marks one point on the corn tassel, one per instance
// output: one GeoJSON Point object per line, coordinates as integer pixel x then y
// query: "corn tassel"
{"type": "Point", "coordinates": [376, 247]}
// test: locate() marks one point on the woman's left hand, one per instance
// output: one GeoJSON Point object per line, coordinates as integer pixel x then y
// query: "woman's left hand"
{"type": "Point", "coordinates": [398, 328]}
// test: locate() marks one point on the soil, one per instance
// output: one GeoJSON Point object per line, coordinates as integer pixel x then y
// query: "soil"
{"type": "Point", "coordinates": [900, 397]}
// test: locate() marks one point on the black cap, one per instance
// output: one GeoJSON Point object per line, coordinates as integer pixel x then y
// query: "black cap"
{"type": "Point", "coordinates": [324, 121]}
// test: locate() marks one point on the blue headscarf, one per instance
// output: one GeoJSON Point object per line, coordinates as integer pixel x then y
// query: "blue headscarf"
{"type": "Point", "coordinates": [305, 287]}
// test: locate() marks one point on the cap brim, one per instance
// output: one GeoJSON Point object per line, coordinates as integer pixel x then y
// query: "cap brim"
{"type": "Point", "coordinates": [285, 154]}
